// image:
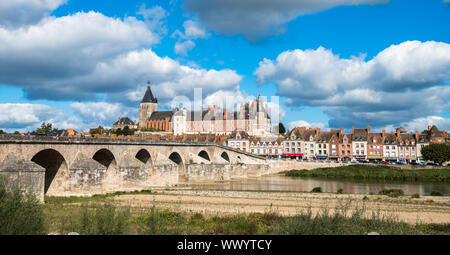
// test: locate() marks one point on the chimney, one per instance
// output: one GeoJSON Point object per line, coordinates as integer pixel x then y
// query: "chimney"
{"type": "Point", "coordinates": [118, 120]}
{"type": "Point", "coordinates": [209, 109]}
{"type": "Point", "coordinates": [368, 129]}
{"type": "Point", "coordinates": [416, 135]}
{"type": "Point", "coordinates": [429, 127]}
{"type": "Point", "coordinates": [398, 132]}
{"type": "Point", "coordinates": [383, 132]}
{"type": "Point", "coordinates": [341, 131]}
{"type": "Point", "coordinates": [134, 122]}
{"type": "Point", "coordinates": [201, 109]}
{"type": "Point", "coordinates": [353, 129]}
{"type": "Point", "coordinates": [317, 131]}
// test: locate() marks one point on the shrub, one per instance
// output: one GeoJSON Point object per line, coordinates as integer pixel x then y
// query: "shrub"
{"type": "Point", "coordinates": [415, 195]}
{"type": "Point", "coordinates": [20, 212]}
{"type": "Point", "coordinates": [436, 193]}
{"type": "Point", "coordinates": [365, 198]}
{"type": "Point", "coordinates": [391, 192]}
{"type": "Point", "coordinates": [316, 190]}
{"type": "Point", "coordinates": [340, 191]}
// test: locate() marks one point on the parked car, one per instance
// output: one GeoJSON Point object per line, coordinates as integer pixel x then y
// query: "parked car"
{"type": "Point", "coordinates": [385, 163]}
{"type": "Point", "coordinates": [401, 161]}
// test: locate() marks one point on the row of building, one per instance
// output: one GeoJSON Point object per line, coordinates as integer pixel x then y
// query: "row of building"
{"type": "Point", "coordinates": [361, 144]}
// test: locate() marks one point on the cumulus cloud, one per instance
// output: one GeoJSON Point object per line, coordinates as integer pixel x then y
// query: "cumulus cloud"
{"type": "Point", "coordinates": [183, 47]}
{"type": "Point", "coordinates": [192, 30]}
{"type": "Point", "coordinates": [154, 18]}
{"type": "Point", "coordinates": [422, 123]}
{"type": "Point", "coordinates": [27, 117]}
{"type": "Point", "coordinates": [304, 123]}
{"type": "Point", "coordinates": [258, 18]}
{"type": "Point", "coordinates": [401, 83]}
{"type": "Point", "coordinates": [102, 113]}
{"type": "Point", "coordinates": [16, 13]}
{"type": "Point", "coordinates": [84, 55]}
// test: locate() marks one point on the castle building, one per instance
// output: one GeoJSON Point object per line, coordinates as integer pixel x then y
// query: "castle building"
{"type": "Point", "coordinates": [252, 118]}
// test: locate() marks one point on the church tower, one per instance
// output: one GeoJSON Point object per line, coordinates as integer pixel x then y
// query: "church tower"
{"type": "Point", "coordinates": [149, 104]}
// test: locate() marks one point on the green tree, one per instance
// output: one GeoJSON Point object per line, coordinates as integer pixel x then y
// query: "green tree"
{"type": "Point", "coordinates": [98, 130]}
{"type": "Point", "coordinates": [16, 132]}
{"type": "Point", "coordinates": [46, 128]}
{"type": "Point", "coordinates": [281, 128]}
{"type": "Point", "coordinates": [437, 152]}
{"type": "Point", "coordinates": [118, 131]}
{"type": "Point", "coordinates": [2, 132]}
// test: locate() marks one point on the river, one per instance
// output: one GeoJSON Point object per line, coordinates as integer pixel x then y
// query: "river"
{"type": "Point", "coordinates": [278, 182]}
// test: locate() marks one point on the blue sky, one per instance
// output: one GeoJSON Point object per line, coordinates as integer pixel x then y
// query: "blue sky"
{"type": "Point", "coordinates": [80, 63]}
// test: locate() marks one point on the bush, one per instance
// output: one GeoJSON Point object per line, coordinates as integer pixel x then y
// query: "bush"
{"type": "Point", "coordinates": [316, 190]}
{"type": "Point", "coordinates": [365, 198]}
{"type": "Point", "coordinates": [340, 191]}
{"type": "Point", "coordinates": [391, 192]}
{"type": "Point", "coordinates": [20, 212]}
{"type": "Point", "coordinates": [415, 195]}
{"type": "Point", "coordinates": [436, 193]}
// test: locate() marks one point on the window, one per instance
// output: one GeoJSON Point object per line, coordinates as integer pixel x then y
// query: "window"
{"type": "Point", "coordinates": [324, 146]}
{"type": "Point", "coordinates": [357, 145]}
{"type": "Point", "coordinates": [292, 144]}
{"type": "Point", "coordinates": [348, 146]}
{"type": "Point", "coordinates": [287, 149]}
{"type": "Point", "coordinates": [333, 146]}
{"type": "Point", "coordinates": [387, 147]}
{"type": "Point", "coordinates": [311, 145]}
{"type": "Point", "coordinates": [298, 150]}
{"type": "Point", "coordinates": [311, 151]}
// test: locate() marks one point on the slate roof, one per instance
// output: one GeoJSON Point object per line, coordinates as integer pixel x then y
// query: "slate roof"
{"type": "Point", "coordinates": [161, 115]}
{"type": "Point", "coordinates": [148, 97]}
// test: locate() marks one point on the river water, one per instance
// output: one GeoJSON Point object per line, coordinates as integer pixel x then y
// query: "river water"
{"type": "Point", "coordinates": [284, 183]}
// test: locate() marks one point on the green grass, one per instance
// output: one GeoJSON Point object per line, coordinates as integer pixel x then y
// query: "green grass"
{"type": "Point", "coordinates": [381, 173]}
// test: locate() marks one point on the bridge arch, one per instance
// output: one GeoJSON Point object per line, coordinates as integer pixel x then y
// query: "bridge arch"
{"type": "Point", "coordinates": [176, 158]}
{"type": "Point", "coordinates": [225, 156]}
{"type": "Point", "coordinates": [144, 156]}
{"type": "Point", "coordinates": [105, 157]}
{"type": "Point", "coordinates": [56, 168]}
{"type": "Point", "coordinates": [203, 154]}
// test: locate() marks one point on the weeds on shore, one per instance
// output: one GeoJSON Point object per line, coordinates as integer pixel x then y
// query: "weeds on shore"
{"type": "Point", "coordinates": [20, 213]}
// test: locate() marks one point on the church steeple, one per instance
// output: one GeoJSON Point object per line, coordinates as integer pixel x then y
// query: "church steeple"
{"type": "Point", "coordinates": [148, 97]}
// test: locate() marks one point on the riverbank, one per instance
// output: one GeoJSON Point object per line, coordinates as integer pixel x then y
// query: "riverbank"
{"type": "Point", "coordinates": [380, 173]}
{"type": "Point", "coordinates": [186, 211]}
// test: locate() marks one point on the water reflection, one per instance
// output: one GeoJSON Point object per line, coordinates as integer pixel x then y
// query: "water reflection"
{"type": "Point", "coordinates": [283, 183]}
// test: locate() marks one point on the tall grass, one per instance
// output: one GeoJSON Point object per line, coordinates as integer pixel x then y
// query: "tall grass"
{"type": "Point", "coordinates": [97, 220]}
{"type": "Point", "coordinates": [20, 213]}
{"type": "Point", "coordinates": [367, 172]}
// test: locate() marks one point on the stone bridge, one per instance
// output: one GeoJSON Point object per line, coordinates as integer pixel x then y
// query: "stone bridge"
{"type": "Point", "coordinates": [77, 166]}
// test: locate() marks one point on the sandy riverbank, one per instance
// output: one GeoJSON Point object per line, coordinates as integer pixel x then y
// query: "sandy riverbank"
{"type": "Point", "coordinates": [426, 209]}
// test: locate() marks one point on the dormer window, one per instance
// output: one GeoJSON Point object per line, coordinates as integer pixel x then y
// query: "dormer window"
{"type": "Point", "coordinates": [238, 137]}
{"type": "Point", "coordinates": [292, 137]}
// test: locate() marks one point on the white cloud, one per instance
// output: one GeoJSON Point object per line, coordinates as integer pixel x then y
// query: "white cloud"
{"type": "Point", "coordinates": [102, 113]}
{"type": "Point", "coordinates": [304, 123]}
{"type": "Point", "coordinates": [192, 30]}
{"type": "Point", "coordinates": [422, 123]}
{"type": "Point", "coordinates": [27, 117]}
{"type": "Point", "coordinates": [85, 55]}
{"type": "Point", "coordinates": [154, 18]}
{"type": "Point", "coordinates": [183, 47]}
{"type": "Point", "coordinates": [258, 18]}
{"type": "Point", "coordinates": [16, 13]}
{"type": "Point", "coordinates": [401, 83]}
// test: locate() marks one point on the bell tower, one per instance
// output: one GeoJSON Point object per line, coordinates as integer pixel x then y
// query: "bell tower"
{"type": "Point", "coordinates": [149, 104]}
